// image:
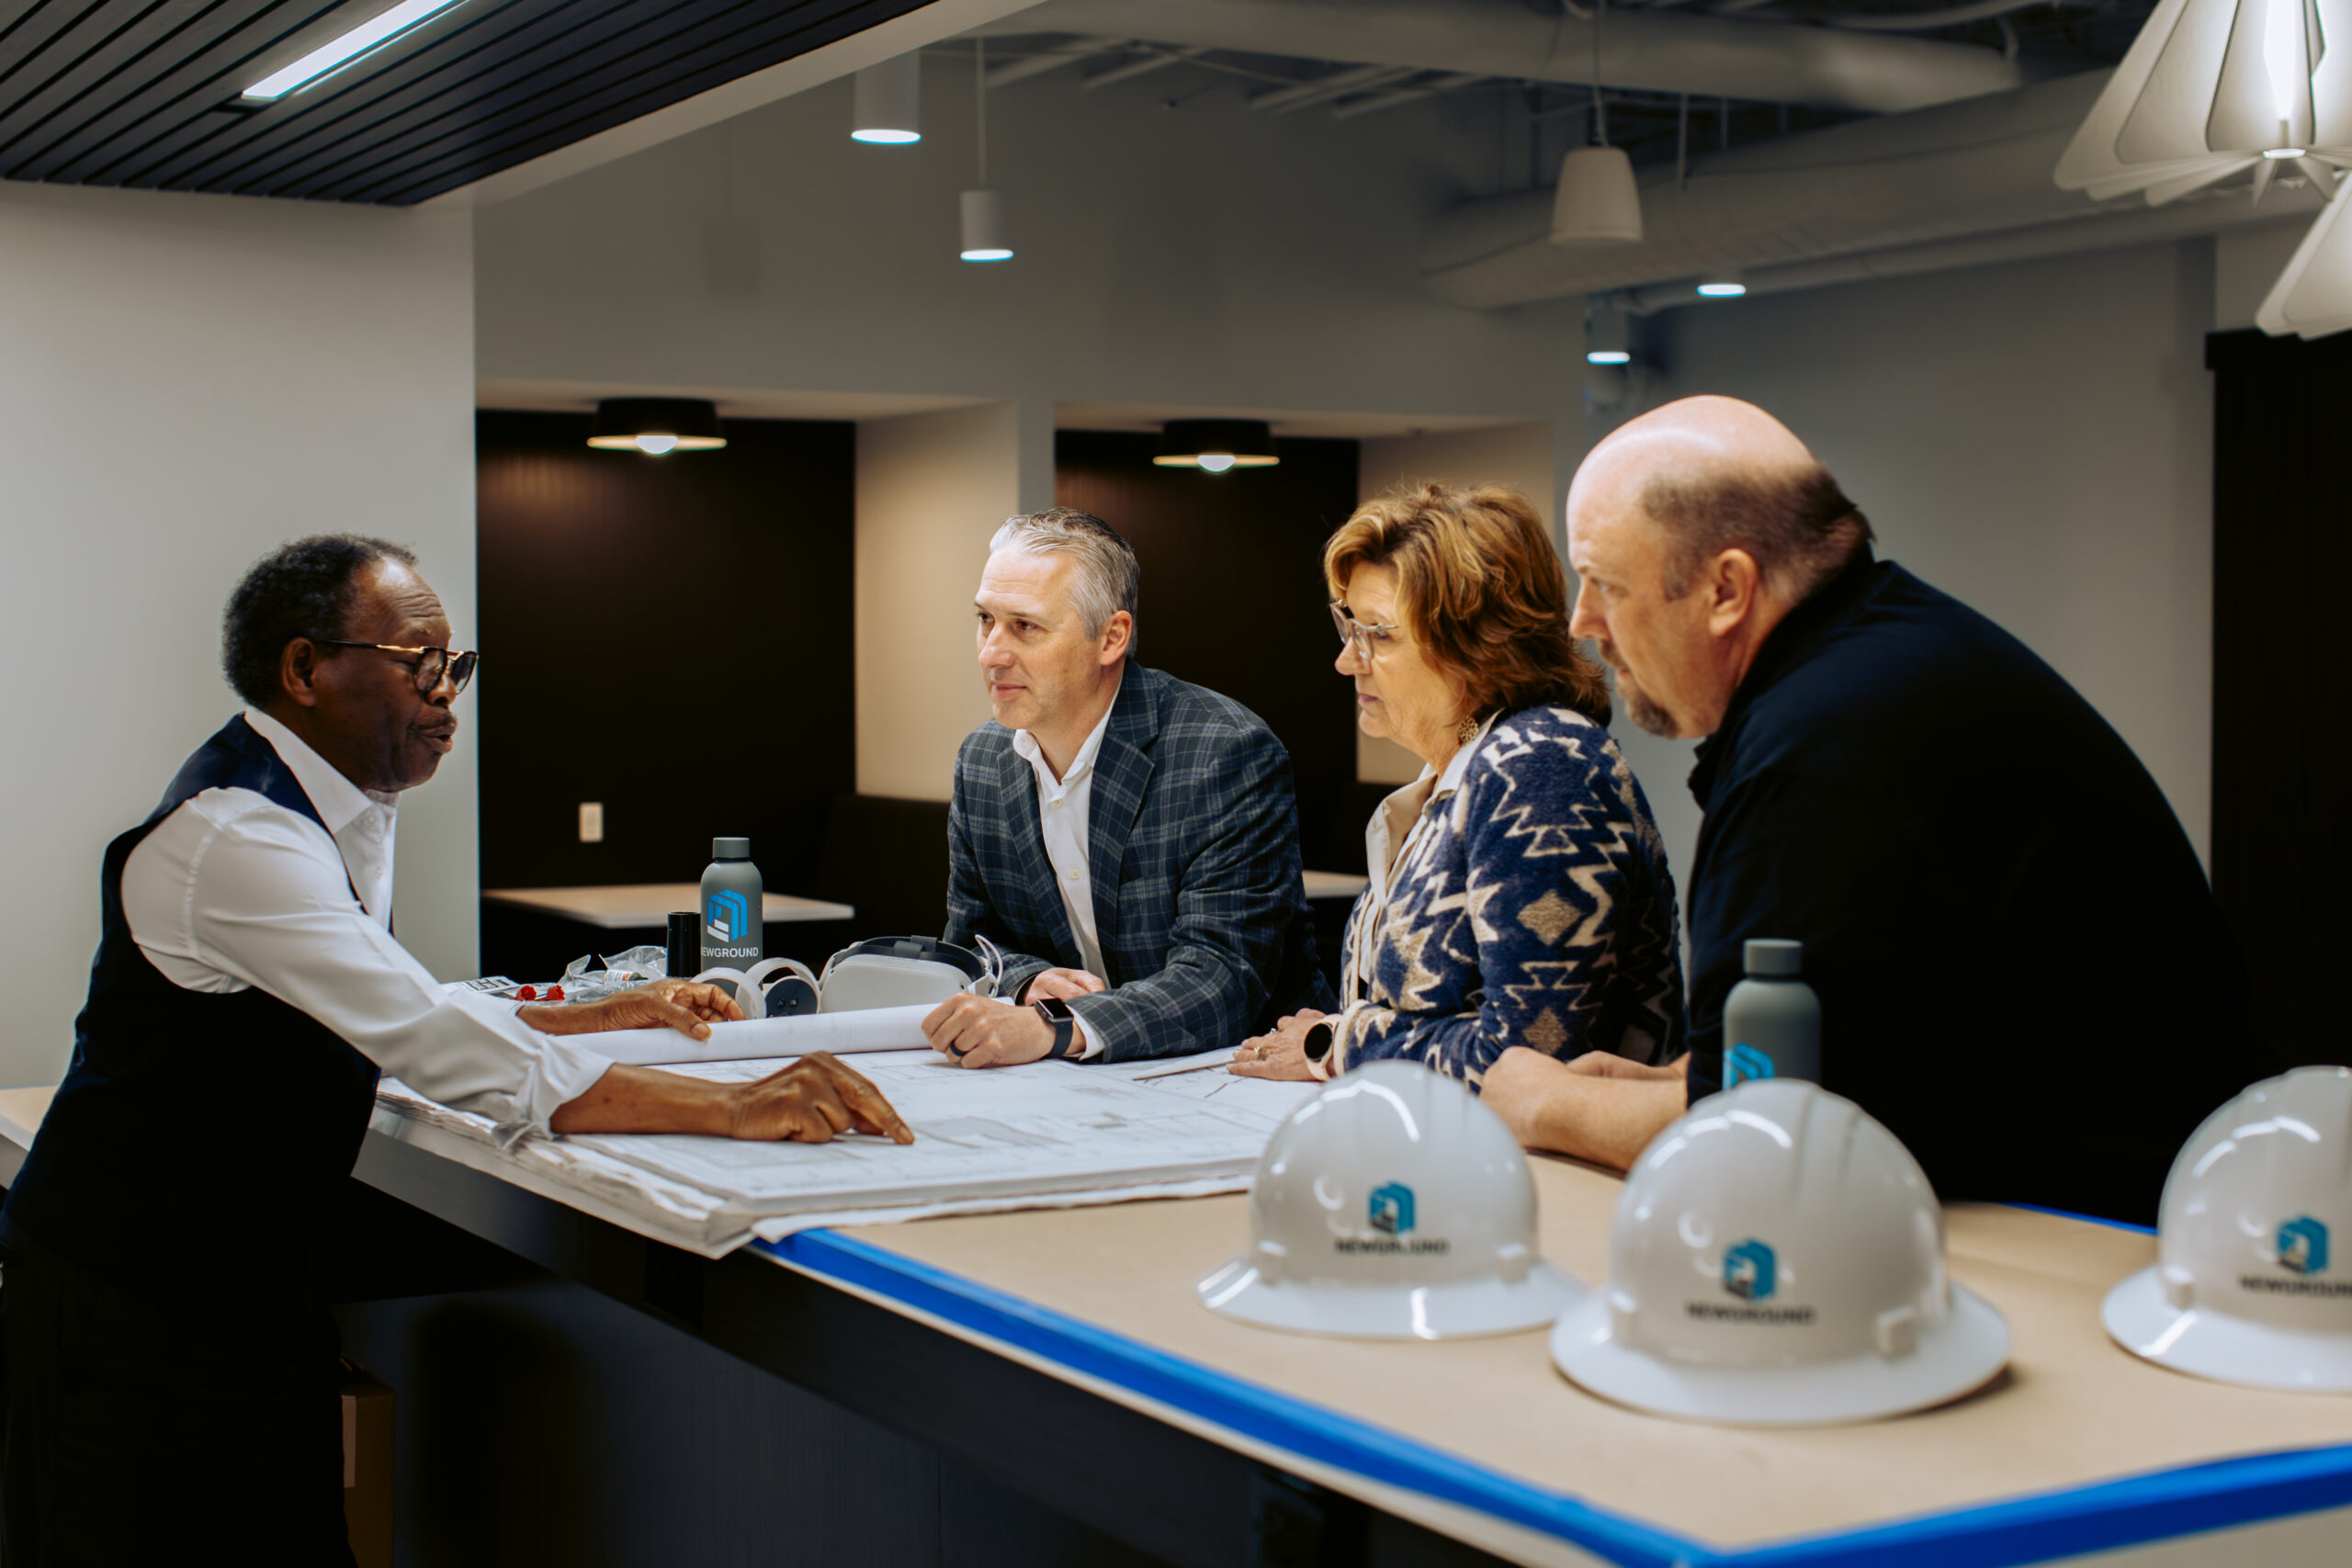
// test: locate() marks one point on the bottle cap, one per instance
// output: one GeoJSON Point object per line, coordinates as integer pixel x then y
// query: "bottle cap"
{"type": "Point", "coordinates": [1773, 956]}
{"type": "Point", "coordinates": [730, 849]}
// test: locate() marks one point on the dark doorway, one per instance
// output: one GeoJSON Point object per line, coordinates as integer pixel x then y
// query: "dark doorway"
{"type": "Point", "coordinates": [633, 611]}
{"type": "Point", "coordinates": [1233, 595]}
{"type": "Point", "coordinates": [2282, 550]}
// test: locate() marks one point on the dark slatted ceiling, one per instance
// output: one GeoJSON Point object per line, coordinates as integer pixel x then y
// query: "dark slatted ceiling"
{"type": "Point", "coordinates": [142, 91]}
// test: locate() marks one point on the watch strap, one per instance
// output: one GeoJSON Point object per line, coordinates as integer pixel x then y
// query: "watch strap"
{"type": "Point", "coordinates": [1064, 1019]}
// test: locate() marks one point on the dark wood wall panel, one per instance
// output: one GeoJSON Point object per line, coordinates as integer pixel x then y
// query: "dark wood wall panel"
{"type": "Point", "coordinates": [669, 636]}
{"type": "Point", "coordinates": [1233, 597]}
{"type": "Point", "coordinates": [2282, 549]}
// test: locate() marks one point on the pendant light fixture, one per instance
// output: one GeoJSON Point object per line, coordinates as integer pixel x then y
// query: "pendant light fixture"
{"type": "Point", "coordinates": [1215, 445]}
{"type": "Point", "coordinates": [2313, 297]}
{"type": "Point", "coordinates": [1722, 282]}
{"type": "Point", "coordinates": [656, 426]}
{"type": "Point", "coordinates": [981, 212]}
{"type": "Point", "coordinates": [2213, 88]}
{"type": "Point", "coordinates": [888, 102]}
{"type": "Point", "coordinates": [1596, 201]}
{"type": "Point", "coordinates": [1608, 335]}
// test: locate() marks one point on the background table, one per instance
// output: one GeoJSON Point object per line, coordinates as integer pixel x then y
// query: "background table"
{"type": "Point", "coordinates": [530, 934]}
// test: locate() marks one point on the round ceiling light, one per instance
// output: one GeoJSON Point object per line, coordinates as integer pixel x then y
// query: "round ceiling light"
{"type": "Point", "coordinates": [1724, 283]}
{"type": "Point", "coordinates": [657, 426]}
{"type": "Point", "coordinates": [1215, 445]}
{"type": "Point", "coordinates": [986, 238]}
{"type": "Point", "coordinates": [888, 102]}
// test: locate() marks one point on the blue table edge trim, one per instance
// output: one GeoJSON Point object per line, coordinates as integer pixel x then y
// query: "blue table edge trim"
{"type": "Point", "coordinates": [2129, 1511]}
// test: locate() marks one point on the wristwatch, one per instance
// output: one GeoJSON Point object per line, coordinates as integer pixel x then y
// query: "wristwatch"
{"type": "Point", "coordinates": [1064, 1024]}
{"type": "Point", "coordinates": [1317, 1045]}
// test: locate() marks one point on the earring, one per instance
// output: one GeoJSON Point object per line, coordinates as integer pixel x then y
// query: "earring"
{"type": "Point", "coordinates": [1467, 731]}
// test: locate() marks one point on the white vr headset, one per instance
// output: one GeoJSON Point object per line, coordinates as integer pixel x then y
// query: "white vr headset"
{"type": "Point", "coordinates": [882, 971]}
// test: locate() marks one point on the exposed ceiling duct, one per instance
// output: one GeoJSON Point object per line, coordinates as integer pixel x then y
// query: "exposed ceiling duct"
{"type": "Point", "coordinates": [1919, 179]}
{"type": "Point", "coordinates": [1674, 52]}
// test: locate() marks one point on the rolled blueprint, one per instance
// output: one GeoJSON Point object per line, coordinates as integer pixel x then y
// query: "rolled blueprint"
{"type": "Point", "coordinates": [874, 1029]}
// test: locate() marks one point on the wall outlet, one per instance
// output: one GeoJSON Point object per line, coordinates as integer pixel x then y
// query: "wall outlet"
{"type": "Point", "coordinates": [592, 821]}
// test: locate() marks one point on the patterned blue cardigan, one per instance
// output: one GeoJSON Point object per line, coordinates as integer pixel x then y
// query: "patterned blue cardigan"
{"type": "Point", "coordinates": [1535, 908]}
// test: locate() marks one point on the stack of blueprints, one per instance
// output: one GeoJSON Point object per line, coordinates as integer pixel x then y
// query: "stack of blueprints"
{"type": "Point", "coordinates": [1046, 1134]}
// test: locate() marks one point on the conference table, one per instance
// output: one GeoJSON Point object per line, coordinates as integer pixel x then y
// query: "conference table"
{"type": "Point", "coordinates": [1075, 1332]}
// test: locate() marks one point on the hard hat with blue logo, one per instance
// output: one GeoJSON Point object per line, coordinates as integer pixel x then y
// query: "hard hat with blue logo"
{"type": "Point", "coordinates": [1777, 1260]}
{"type": "Point", "coordinates": [2252, 1282]}
{"type": "Point", "coordinates": [1392, 1206]}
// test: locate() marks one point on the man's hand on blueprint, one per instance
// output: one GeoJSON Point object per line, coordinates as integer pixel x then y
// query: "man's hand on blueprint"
{"type": "Point", "coordinates": [809, 1101]}
{"type": "Point", "coordinates": [979, 1032]}
{"type": "Point", "coordinates": [813, 1098]}
{"type": "Point", "coordinates": [683, 1005]}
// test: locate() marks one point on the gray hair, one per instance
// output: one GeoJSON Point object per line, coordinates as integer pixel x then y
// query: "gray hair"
{"type": "Point", "coordinates": [1108, 578]}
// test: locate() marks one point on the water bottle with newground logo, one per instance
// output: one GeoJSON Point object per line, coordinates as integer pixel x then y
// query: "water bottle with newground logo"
{"type": "Point", "coordinates": [733, 936]}
{"type": "Point", "coordinates": [1771, 1019]}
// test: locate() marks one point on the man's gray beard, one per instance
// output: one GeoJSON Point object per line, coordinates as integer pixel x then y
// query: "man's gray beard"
{"type": "Point", "coordinates": [1646, 714]}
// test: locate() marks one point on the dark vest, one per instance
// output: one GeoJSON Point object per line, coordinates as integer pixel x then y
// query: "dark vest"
{"type": "Point", "coordinates": [135, 1177]}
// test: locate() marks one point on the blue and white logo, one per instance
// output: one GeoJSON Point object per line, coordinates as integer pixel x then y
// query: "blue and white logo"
{"type": "Point", "coordinates": [1749, 1272]}
{"type": "Point", "coordinates": [1392, 1208]}
{"type": "Point", "coordinates": [2303, 1246]}
{"type": "Point", "coordinates": [1744, 1064]}
{"type": "Point", "coordinates": [727, 916]}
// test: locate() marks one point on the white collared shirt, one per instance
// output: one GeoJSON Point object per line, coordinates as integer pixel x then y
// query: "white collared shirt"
{"type": "Point", "coordinates": [1063, 806]}
{"type": "Point", "coordinates": [233, 890]}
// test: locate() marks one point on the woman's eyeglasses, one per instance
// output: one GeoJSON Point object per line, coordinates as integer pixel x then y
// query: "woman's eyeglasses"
{"type": "Point", "coordinates": [1364, 636]}
{"type": "Point", "coordinates": [431, 663]}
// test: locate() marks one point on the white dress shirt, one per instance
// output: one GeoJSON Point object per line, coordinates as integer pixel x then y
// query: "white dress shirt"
{"type": "Point", "coordinates": [1062, 807]}
{"type": "Point", "coordinates": [233, 890]}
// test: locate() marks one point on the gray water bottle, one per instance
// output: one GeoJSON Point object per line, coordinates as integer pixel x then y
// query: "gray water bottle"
{"type": "Point", "coordinates": [1771, 1019]}
{"type": "Point", "coordinates": [732, 903]}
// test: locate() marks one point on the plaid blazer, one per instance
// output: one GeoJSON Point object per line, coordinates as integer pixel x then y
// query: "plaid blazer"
{"type": "Point", "coordinates": [1193, 853]}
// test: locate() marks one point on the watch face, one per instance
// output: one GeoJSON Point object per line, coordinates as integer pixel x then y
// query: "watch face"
{"type": "Point", "coordinates": [1055, 1007]}
{"type": "Point", "coordinates": [1318, 1042]}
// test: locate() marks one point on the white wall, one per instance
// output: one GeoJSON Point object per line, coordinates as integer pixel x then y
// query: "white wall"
{"type": "Point", "coordinates": [1205, 255]}
{"type": "Point", "coordinates": [2035, 440]}
{"type": "Point", "coordinates": [932, 488]}
{"type": "Point", "coordinates": [186, 382]}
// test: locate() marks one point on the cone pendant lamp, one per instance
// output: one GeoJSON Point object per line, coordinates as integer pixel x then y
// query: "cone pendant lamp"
{"type": "Point", "coordinates": [2213, 89]}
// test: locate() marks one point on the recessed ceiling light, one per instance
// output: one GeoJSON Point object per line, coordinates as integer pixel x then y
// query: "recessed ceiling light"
{"type": "Point", "coordinates": [1722, 284]}
{"type": "Point", "coordinates": [386, 27]}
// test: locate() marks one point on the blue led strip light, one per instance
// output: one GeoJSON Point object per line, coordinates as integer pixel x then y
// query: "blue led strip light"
{"type": "Point", "coordinates": [2154, 1506]}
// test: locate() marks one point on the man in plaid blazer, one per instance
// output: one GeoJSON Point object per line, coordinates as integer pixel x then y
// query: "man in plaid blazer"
{"type": "Point", "coordinates": [1129, 839]}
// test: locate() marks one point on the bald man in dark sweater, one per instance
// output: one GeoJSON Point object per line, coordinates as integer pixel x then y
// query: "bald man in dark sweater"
{"type": "Point", "coordinates": [2022, 970]}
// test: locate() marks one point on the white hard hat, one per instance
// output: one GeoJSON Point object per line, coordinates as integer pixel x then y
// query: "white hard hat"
{"type": "Point", "coordinates": [2251, 1284]}
{"type": "Point", "coordinates": [1392, 1206]}
{"type": "Point", "coordinates": [1777, 1260]}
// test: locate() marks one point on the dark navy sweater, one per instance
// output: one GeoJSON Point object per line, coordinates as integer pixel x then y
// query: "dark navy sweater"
{"type": "Point", "coordinates": [2022, 970]}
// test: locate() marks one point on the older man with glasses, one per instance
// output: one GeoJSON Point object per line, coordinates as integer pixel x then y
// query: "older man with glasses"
{"type": "Point", "coordinates": [156, 1320]}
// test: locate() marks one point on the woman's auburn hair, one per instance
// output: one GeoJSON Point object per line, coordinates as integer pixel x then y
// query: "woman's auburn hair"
{"type": "Point", "coordinates": [1479, 585]}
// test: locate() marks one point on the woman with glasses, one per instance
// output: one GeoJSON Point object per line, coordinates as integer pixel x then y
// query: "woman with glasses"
{"type": "Point", "coordinates": [1519, 893]}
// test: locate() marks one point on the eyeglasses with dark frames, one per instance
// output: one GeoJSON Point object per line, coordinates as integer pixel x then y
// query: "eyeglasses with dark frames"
{"type": "Point", "coordinates": [1364, 636]}
{"type": "Point", "coordinates": [431, 662]}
